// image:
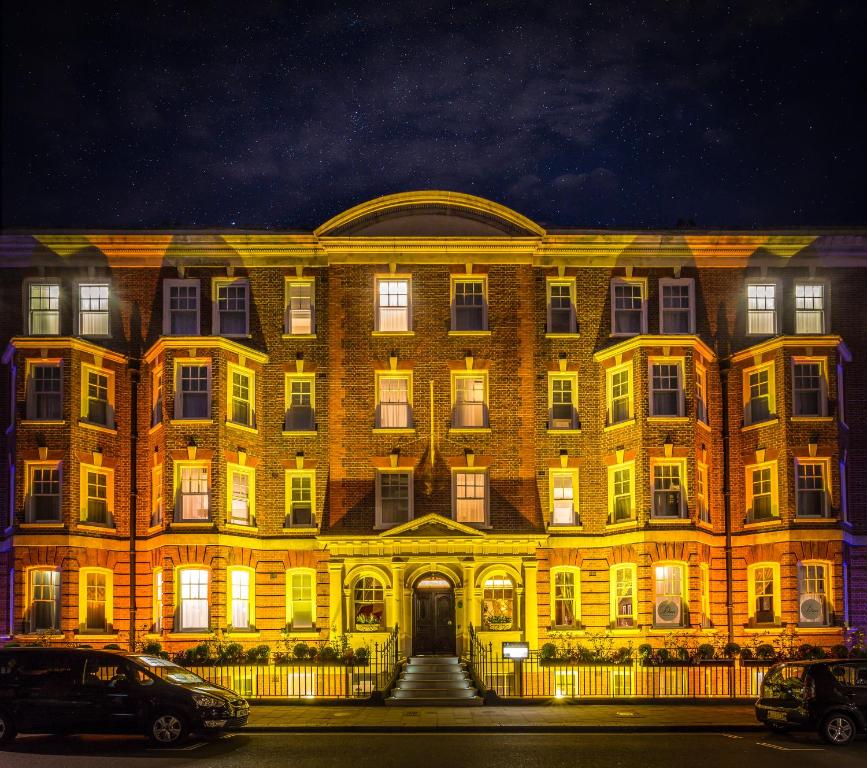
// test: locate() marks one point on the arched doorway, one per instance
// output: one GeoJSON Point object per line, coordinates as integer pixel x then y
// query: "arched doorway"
{"type": "Point", "coordinates": [433, 615]}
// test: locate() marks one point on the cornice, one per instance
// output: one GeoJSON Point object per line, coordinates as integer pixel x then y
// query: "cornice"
{"type": "Point", "coordinates": [203, 342]}
{"type": "Point", "coordinates": [655, 341]}
{"type": "Point", "coordinates": [61, 342]}
{"type": "Point", "coordinates": [789, 342]}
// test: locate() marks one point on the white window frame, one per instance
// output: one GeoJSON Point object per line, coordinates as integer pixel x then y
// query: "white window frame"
{"type": "Point", "coordinates": [613, 470]}
{"type": "Point", "coordinates": [621, 620]}
{"type": "Point", "coordinates": [825, 472]}
{"type": "Point", "coordinates": [107, 475]}
{"type": "Point", "coordinates": [481, 375]}
{"type": "Point", "coordinates": [381, 404]}
{"type": "Point", "coordinates": [680, 464]}
{"type": "Point", "coordinates": [234, 596]}
{"type": "Point", "coordinates": [291, 601]}
{"type": "Point", "coordinates": [702, 415]}
{"type": "Point", "coordinates": [575, 573]}
{"type": "Point", "coordinates": [158, 395]}
{"type": "Point", "coordinates": [572, 378]}
{"type": "Point", "coordinates": [378, 320]}
{"type": "Point", "coordinates": [84, 599]}
{"type": "Point", "coordinates": [193, 588]}
{"type": "Point", "coordinates": [770, 367]}
{"type": "Point", "coordinates": [158, 596]}
{"type": "Point", "coordinates": [610, 373]}
{"type": "Point", "coordinates": [179, 406]}
{"type": "Point", "coordinates": [233, 470]}
{"type": "Point", "coordinates": [822, 390]}
{"type": "Point", "coordinates": [642, 284]}
{"type": "Point", "coordinates": [310, 380]}
{"type": "Point", "coordinates": [486, 485]}
{"type": "Point", "coordinates": [170, 283]}
{"type": "Point", "coordinates": [682, 594]}
{"type": "Point", "coordinates": [478, 280]}
{"type": "Point", "coordinates": [569, 516]}
{"type": "Point", "coordinates": [826, 595]}
{"type": "Point", "coordinates": [30, 505]}
{"type": "Point", "coordinates": [58, 313]}
{"type": "Point", "coordinates": [79, 311]}
{"type": "Point", "coordinates": [824, 311]}
{"type": "Point", "coordinates": [753, 594]}
{"type": "Point", "coordinates": [767, 282]}
{"type": "Point", "coordinates": [569, 284]}
{"type": "Point", "coordinates": [678, 363]}
{"type": "Point", "coordinates": [250, 400]}
{"type": "Point", "coordinates": [31, 406]}
{"type": "Point", "coordinates": [380, 474]}
{"type": "Point", "coordinates": [749, 471]}
{"type": "Point", "coordinates": [289, 313]}
{"type": "Point", "coordinates": [670, 282]}
{"type": "Point", "coordinates": [179, 467]}
{"type": "Point", "coordinates": [111, 395]}
{"type": "Point", "coordinates": [216, 316]}
{"type": "Point", "coordinates": [56, 588]}
{"type": "Point", "coordinates": [309, 475]}
{"type": "Point", "coordinates": [702, 497]}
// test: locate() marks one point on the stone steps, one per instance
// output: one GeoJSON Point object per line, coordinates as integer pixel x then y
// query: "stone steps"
{"type": "Point", "coordinates": [434, 681]}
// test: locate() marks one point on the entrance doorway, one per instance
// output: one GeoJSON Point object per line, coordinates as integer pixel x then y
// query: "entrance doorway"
{"type": "Point", "coordinates": [433, 613]}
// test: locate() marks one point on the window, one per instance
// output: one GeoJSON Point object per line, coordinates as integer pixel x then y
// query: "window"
{"type": "Point", "coordinates": [97, 491]}
{"type": "Point", "coordinates": [242, 495]}
{"type": "Point", "coordinates": [43, 309]}
{"type": "Point", "coordinates": [628, 307]}
{"type": "Point", "coordinates": [469, 305]}
{"type": "Point", "coordinates": [300, 314]}
{"type": "Point", "coordinates": [242, 397]}
{"type": "Point", "coordinates": [193, 395]}
{"type": "Point", "coordinates": [619, 394]}
{"type": "Point", "coordinates": [394, 498]}
{"type": "Point", "coordinates": [623, 603]}
{"type": "Point", "coordinates": [157, 495]}
{"type": "Point", "coordinates": [393, 397]}
{"type": "Point", "coordinates": [764, 591]}
{"type": "Point", "coordinates": [812, 489]}
{"type": "Point", "coordinates": [668, 492]}
{"type": "Point", "coordinates": [93, 309]}
{"type": "Point", "coordinates": [300, 508]}
{"type": "Point", "coordinates": [300, 404]}
{"type": "Point", "coordinates": [704, 595]}
{"type": "Point", "coordinates": [43, 493]}
{"type": "Point", "coordinates": [761, 492]}
{"type": "Point", "coordinates": [762, 309]}
{"type": "Point", "coordinates": [810, 308]}
{"type": "Point", "coordinates": [97, 396]}
{"type": "Point", "coordinates": [759, 395]}
{"type": "Point", "coordinates": [368, 602]}
{"type": "Point", "coordinates": [300, 599]}
{"type": "Point", "coordinates": [471, 497]}
{"type": "Point", "coordinates": [498, 601]}
{"type": "Point", "coordinates": [193, 613]}
{"type": "Point", "coordinates": [701, 394]}
{"type": "Point", "coordinates": [701, 497]}
{"type": "Point", "coordinates": [563, 494]}
{"type": "Point", "coordinates": [566, 598]}
{"type": "Point", "coordinates": [181, 308]}
{"type": "Point", "coordinates": [621, 493]}
{"type": "Point", "coordinates": [232, 307]}
{"type": "Point", "coordinates": [470, 402]}
{"type": "Point", "coordinates": [813, 594]}
{"type": "Point", "coordinates": [676, 307]}
{"type": "Point", "coordinates": [45, 392]}
{"type": "Point", "coordinates": [157, 395]}
{"type": "Point", "coordinates": [157, 608]}
{"type": "Point", "coordinates": [562, 394]}
{"type": "Point", "coordinates": [393, 305]}
{"type": "Point", "coordinates": [241, 601]}
{"type": "Point", "coordinates": [44, 600]}
{"type": "Point", "coordinates": [666, 389]}
{"type": "Point", "coordinates": [808, 382]}
{"type": "Point", "coordinates": [561, 307]}
{"type": "Point", "coordinates": [669, 602]}
{"type": "Point", "coordinates": [94, 600]}
{"type": "Point", "coordinates": [193, 496]}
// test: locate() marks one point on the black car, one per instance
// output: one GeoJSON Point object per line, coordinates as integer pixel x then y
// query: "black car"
{"type": "Point", "coordinates": [46, 690]}
{"type": "Point", "coordinates": [829, 696]}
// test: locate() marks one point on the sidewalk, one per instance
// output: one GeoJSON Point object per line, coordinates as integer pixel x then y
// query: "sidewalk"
{"type": "Point", "coordinates": [551, 718]}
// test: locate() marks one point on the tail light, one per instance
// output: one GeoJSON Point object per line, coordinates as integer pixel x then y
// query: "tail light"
{"type": "Point", "coordinates": [809, 688]}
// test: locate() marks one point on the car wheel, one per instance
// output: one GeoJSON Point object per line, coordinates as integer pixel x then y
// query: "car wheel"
{"type": "Point", "coordinates": [7, 728]}
{"type": "Point", "coordinates": [837, 729]}
{"type": "Point", "coordinates": [167, 729]}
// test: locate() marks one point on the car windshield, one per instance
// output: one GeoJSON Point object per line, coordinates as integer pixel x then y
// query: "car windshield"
{"type": "Point", "coordinates": [169, 671]}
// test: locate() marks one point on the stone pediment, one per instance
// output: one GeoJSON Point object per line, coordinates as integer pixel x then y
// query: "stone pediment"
{"type": "Point", "coordinates": [432, 526]}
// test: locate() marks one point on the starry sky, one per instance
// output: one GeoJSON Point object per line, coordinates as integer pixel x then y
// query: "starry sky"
{"type": "Point", "coordinates": [278, 115]}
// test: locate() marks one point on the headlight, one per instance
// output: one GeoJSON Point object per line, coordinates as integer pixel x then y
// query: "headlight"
{"type": "Point", "coordinates": [206, 701]}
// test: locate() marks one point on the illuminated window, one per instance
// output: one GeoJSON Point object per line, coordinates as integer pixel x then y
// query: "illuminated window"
{"type": "Point", "coordinates": [193, 392]}
{"type": "Point", "coordinates": [157, 508]}
{"type": "Point", "coordinates": [157, 607]}
{"type": "Point", "coordinates": [97, 396]}
{"type": "Point", "coordinates": [676, 307]}
{"type": "Point", "coordinates": [94, 600]}
{"type": "Point", "coordinates": [393, 314]}
{"type": "Point", "coordinates": [813, 594]}
{"type": "Point", "coordinates": [704, 594]}
{"type": "Point", "coordinates": [763, 577]}
{"type": "Point", "coordinates": [808, 383]}
{"type": "Point", "coordinates": [561, 307]}
{"type": "Point", "coordinates": [470, 409]}
{"type": "Point", "coordinates": [701, 496]}
{"type": "Point", "coordinates": [563, 495]}
{"type": "Point", "coordinates": [300, 492]}
{"type": "Point", "coordinates": [701, 394]}
{"type": "Point", "coordinates": [393, 401]}
{"type": "Point", "coordinates": [759, 404]}
{"type": "Point", "coordinates": [93, 309]}
{"type": "Point", "coordinates": [241, 585]}
{"type": "Point", "coordinates": [619, 394]}
{"type": "Point", "coordinates": [300, 599]}
{"type": "Point", "coordinates": [624, 608]}
{"type": "Point", "coordinates": [666, 389]}
{"type": "Point", "coordinates": [469, 305]}
{"type": "Point", "coordinates": [809, 308]}
{"type": "Point", "coordinates": [242, 494]}
{"type": "Point", "coordinates": [43, 308]}
{"type": "Point", "coordinates": [43, 493]}
{"type": "Point", "coordinates": [621, 493]}
{"type": "Point", "coordinates": [242, 397]}
{"type": "Point", "coordinates": [44, 600]}
{"type": "Point", "coordinates": [668, 492]}
{"type": "Point", "coordinates": [45, 391]}
{"type": "Point", "coordinates": [300, 314]}
{"type": "Point", "coordinates": [498, 600]}
{"type": "Point", "coordinates": [300, 403]}
{"type": "Point", "coordinates": [368, 602]}
{"type": "Point", "coordinates": [231, 307]}
{"type": "Point", "coordinates": [394, 498]}
{"type": "Point", "coordinates": [628, 307]}
{"type": "Point", "coordinates": [762, 309]}
{"type": "Point", "coordinates": [567, 592]}
{"type": "Point", "coordinates": [471, 497]}
{"type": "Point", "coordinates": [181, 308]}
{"type": "Point", "coordinates": [157, 396]}
{"type": "Point", "coordinates": [761, 492]}
{"type": "Point", "coordinates": [192, 493]}
{"type": "Point", "coordinates": [812, 488]}
{"type": "Point", "coordinates": [97, 491]}
{"type": "Point", "coordinates": [669, 602]}
{"type": "Point", "coordinates": [562, 395]}
{"type": "Point", "coordinates": [193, 610]}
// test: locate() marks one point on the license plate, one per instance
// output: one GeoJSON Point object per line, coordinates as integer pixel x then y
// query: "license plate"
{"type": "Point", "coordinates": [778, 716]}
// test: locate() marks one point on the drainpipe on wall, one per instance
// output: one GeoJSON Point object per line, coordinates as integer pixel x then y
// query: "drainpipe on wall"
{"type": "Point", "coordinates": [724, 368]}
{"type": "Point", "coordinates": [133, 496]}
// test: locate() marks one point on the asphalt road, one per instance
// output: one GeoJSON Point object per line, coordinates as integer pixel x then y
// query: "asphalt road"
{"type": "Point", "coordinates": [441, 750]}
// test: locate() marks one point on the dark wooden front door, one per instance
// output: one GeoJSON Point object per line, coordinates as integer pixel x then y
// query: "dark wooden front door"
{"type": "Point", "coordinates": [433, 621]}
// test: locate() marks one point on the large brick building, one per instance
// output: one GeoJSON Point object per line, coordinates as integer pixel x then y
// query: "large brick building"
{"type": "Point", "coordinates": [434, 413]}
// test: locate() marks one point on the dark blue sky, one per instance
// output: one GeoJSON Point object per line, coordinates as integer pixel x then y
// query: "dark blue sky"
{"type": "Point", "coordinates": [279, 115]}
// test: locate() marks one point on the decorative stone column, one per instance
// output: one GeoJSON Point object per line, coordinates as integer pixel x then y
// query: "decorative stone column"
{"type": "Point", "coordinates": [336, 625]}
{"type": "Point", "coordinates": [531, 604]}
{"type": "Point", "coordinates": [469, 613]}
{"type": "Point", "coordinates": [396, 605]}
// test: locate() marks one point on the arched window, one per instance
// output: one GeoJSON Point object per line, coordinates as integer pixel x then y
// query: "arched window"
{"type": "Point", "coordinates": [369, 603]}
{"type": "Point", "coordinates": [498, 601]}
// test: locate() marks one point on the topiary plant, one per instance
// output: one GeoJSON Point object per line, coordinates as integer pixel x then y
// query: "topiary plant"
{"type": "Point", "coordinates": [231, 653]}
{"type": "Point", "coordinates": [548, 651]}
{"type": "Point", "coordinates": [258, 654]}
{"type": "Point", "coordinates": [746, 654]}
{"type": "Point", "coordinates": [705, 651]}
{"type": "Point", "coordinates": [327, 654]}
{"type": "Point", "coordinates": [840, 651]}
{"type": "Point", "coordinates": [730, 650]}
{"type": "Point", "coordinates": [299, 650]}
{"type": "Point", "coordinates": [112, 647]}
{"type": "Point", "coordinates": [765, 651]}
{"type": "Point", "coordinates": [645, 651]}
{"type": "Point", "coordinates": [362, 655]}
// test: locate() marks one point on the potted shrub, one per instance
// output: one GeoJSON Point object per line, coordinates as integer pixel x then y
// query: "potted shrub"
{"type": "Point", "coordinates": [300, 651]}
{"type": "Point", "coordinates": [231, 653]}
{"type": "Point", "coordinates": [766, 653]}
{"type": "Point", "coordinates": [548, 652]}
{"type": "Point", "coordinates": [840, 651]}
{"type": "Point", "coordinates": [705, 653]}
{"type": "Point", "coordinates": [362, 656]}
{"type": "Point", "coordinates": [258, 654]}
{"type": "Point", "coordinates": [730, 650]}
{"type": "Point", "coordinates": [327, 654]}
{"type": "Point", "coordinates": [645, 654]}
{"type": "Point", "coordinates": [498, 623]}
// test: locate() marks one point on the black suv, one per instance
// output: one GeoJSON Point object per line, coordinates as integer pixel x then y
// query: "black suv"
{"type": "Point", "coordinates": [47, 690]}
{"type": "Point", "coordinates": [829, 696]}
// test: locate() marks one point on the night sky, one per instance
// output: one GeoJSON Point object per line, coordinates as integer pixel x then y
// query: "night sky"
{"type": "Point", "coordinates": [278, 115]}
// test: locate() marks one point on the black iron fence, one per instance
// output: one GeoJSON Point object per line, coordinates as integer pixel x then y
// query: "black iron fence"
{"type": "Point", "coordinates": [535, 677]}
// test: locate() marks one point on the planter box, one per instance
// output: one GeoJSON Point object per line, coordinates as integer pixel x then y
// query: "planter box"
{"type": "Point", "coordinates": [368, 628]}
{"type": "Point", "coordinates": [499, 627]}
{"type": "Point", "coordinates": [758, 662]}
{"type": "Point", "coordinates": [716, 662]}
